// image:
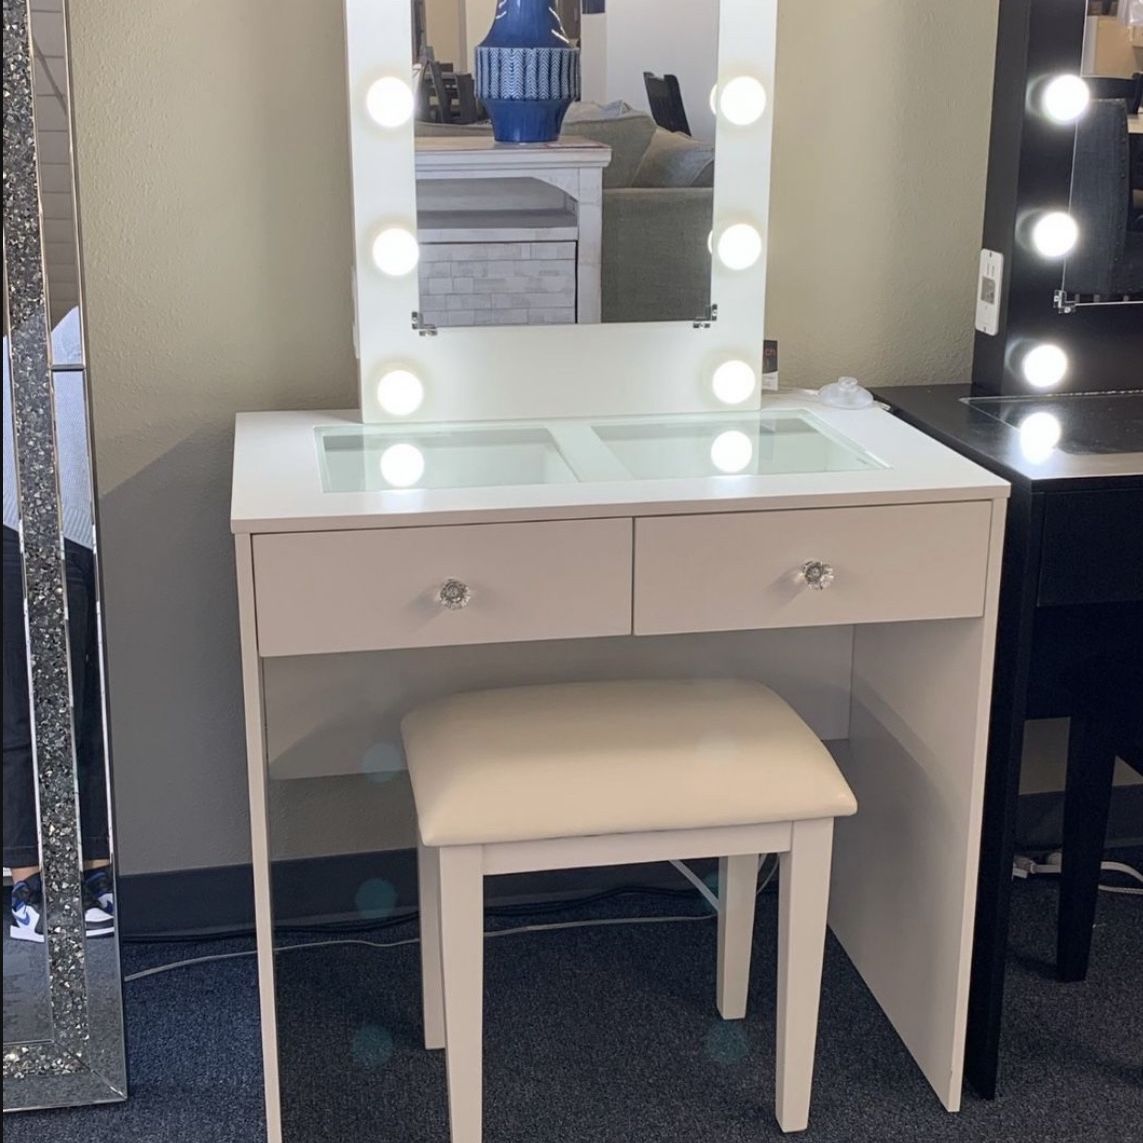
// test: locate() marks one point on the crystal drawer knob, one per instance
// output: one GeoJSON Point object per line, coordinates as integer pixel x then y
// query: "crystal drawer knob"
{"type": "Point", "coordinates": [454, 595]}
{"type": "Point", "coordinates": [817, 575]}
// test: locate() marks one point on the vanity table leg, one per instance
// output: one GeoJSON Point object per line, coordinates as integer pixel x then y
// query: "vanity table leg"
{"type": "Point", "coordinates": [256, 764]}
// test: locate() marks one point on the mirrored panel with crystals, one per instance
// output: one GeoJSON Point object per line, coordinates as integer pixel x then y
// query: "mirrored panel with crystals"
{"type": "Point", "coordinates": [564, 160]}
{"type": "Point", "coordinates": [63, 1026]}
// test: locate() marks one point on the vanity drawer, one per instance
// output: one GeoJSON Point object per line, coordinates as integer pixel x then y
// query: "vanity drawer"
{"type": "Point", "coordinates": [743, 570]}
{"type": "Point", "coordinates": [320, 592]}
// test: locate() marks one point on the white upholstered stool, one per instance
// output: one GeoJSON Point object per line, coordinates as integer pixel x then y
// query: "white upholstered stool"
{"type": "Point", "coordinates": [562, 777]}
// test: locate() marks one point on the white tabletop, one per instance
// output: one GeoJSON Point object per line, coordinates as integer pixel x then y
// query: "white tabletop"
{"type": "Point", "coordinates": [278, 487]}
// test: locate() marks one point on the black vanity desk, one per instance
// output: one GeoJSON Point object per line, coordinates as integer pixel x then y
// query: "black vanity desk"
{"type": "Point", "coordinates": [1072, 591]}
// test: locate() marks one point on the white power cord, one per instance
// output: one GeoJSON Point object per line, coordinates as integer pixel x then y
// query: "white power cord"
{"type": "Point", "coordinates": [1026, 867]}
{"type": "Point", "coordinates": [546, 928]}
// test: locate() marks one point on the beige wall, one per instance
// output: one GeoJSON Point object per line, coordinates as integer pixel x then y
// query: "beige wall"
{"type": "Point", "coordinates": [882, 115]}
{"type": "Point", "coordinates": [215, 207]}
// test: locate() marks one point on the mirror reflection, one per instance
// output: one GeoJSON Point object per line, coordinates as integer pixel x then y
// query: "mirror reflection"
{"type": "Point", "coordinates": [1103, 238]}
{"type": "Point", "coordinates": [62, 1001]}
{"type": "Point", "coordinates": [565, 160]}
{"type": "Point", "coordinates": [57, 188]}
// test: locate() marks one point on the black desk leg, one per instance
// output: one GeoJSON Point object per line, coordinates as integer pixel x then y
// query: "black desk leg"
{"type": "Point", "coordinates": [1087, 800]}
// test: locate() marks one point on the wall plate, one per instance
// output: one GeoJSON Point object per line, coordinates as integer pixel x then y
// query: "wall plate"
{"type": "Point", "coordinates": [988, 289]}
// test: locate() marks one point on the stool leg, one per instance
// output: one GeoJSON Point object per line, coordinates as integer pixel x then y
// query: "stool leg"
{"type": "Point", "coordinates": [1087, 801]}
{"type": "Point", "coordinates": [804, 902]}
{"type": "Point", "coordinates": [462, 963]}
{"type": "Point", "coordinates": [432, 996]}
{"type": "Point", "coordinates": [737, 885]}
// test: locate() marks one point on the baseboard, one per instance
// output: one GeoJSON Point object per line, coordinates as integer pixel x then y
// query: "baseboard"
{"type": "Point", "coordinates": [331, 890]}
{"type": "Point", "coordinates": [354, 887]}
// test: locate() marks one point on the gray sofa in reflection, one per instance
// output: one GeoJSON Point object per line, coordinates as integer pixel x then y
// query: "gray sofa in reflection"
{"type": "Point", "coordinates": [658, 200]}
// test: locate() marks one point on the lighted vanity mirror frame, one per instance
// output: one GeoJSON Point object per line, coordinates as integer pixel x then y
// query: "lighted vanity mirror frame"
{"type": "Point", "coordinates": [533, 372]}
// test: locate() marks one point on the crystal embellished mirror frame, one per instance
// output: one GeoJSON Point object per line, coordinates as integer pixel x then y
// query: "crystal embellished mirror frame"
{"type": "Point", "coordinates": [536, 372]}
{"type": "Point", "coordinates": [83, 1059]}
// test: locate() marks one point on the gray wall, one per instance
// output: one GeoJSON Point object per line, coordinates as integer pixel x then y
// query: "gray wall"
{"type": "Point", "coordinates": [214, 199]}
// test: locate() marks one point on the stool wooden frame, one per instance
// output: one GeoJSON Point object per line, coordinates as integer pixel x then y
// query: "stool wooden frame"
{"type": "Point", "coordinates": [452, 939]}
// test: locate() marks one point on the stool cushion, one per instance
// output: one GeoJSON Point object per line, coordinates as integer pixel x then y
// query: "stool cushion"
{"type": "Point", "coordinates": [578, 759]}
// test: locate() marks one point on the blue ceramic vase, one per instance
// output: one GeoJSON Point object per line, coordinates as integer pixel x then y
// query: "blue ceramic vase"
{"type": "Point", "coordinates": [527, 72]}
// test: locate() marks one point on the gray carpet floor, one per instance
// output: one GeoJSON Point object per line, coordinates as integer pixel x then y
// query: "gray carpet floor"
{"type": "Point", "coordinates": [609, 1035]}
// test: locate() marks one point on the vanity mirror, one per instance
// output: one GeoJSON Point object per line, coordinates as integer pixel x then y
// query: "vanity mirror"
{"type": "Point", "coordinates": [510, 231]}
{"type": "Point", "coordinates": [608, 217]}
{"type": "Point", "coordinates": [1060, 301]}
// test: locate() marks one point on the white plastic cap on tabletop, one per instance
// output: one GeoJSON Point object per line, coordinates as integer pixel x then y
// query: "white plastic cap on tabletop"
{"type": "Point", "coordinates": [845, 393]}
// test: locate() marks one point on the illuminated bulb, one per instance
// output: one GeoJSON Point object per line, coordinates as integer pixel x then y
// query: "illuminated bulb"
{"type": "Point", "coordinates": [1055, 234]}
{"type": "Point", "coordinates": [402, 465]}
{"type": "Point", "coordinates": [1065, 98]}
{"type": "Point", "coordinates": [743, 101]}
{"type": "Point", "coordinates": [1039, 435]}
{"type": "Point", "coordinates": [1045, 366]}
{"type": "Point", "coordinates": [395, 251]}
{"type": "Point", "coordinates": [733, 382]}
{"type": "Point", "coordinates": [731, 451]}
{"type": "Point", "coordinates": [400, 392]}
{"type": "Point", "coordinates": [389, 102]}
{"type": "Point", "coordinates": [739, 246]}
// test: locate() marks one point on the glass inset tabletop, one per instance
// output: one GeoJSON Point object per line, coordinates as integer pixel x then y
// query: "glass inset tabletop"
{"type": "Point", "coordinates": [368, 458]}
{"type": "Point", "coordinates": [1081, 424]}
{"type": "Point", "coordinates": [752, 444]}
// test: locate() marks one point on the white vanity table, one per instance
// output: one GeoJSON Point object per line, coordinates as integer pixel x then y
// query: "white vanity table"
{"type": "Point", "coordinates": [563, 531]}
{"type": "Point", "coordinates": [610, 500]}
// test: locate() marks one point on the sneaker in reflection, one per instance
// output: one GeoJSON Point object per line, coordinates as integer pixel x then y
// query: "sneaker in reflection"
{"type": "Point", "coordinates": [27, 910]}
{"type": "Point", "coordinates": [98, 903]}
{"type": "Point", "coordinates": [99, 884]}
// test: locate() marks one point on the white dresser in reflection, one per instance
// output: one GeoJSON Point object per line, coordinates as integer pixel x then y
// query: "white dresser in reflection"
{"type": "Point", "coordinates": [510, 234]}
{"type": "Point", "coordinates": [627, 531]}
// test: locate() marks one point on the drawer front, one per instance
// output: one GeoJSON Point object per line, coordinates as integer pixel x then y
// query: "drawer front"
{"type": "Point", "coordinates": [321, 592]}
{"type": "Point", "coordinates": [743, 570]}
{"type": "Point", "coordinates": [1092, 548]}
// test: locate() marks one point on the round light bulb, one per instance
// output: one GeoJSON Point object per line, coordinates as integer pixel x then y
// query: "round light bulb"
{"type": "Point", "coordinates": [733, 382]}
{"type": "Point", "coordinates": [1045, 366]}
{"type": "Point", "coordinates": [400, 392]}
{"type": "Point", "coordinates": [389, 102]}
{"type": "Point", "coordinates": [402, 465]}
{"type": "Point", "coordinates": [743, 101]}
{"type": "Point", "coordinates": [1055, 234]}
{"type": "Point", "coordinates": [395, 251]}
{"type": "Point", "coordinates": [731, 451]}
{"type": "Point", "coordinates": [739, 246]}
{"type": "Point", "coordinates": [1039, 435]}
{"type": "Point", "coordinates": [1065, 98]}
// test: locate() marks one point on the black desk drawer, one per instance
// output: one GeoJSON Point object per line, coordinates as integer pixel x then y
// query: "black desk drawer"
{"type": "Point", "coordinates": [1092, 548]}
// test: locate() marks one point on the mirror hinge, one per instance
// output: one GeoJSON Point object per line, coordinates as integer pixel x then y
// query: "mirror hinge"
{"type": "Point", "coordinates": [708, 318]}
{"type": "Point", "coordinates": [424, 328]}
